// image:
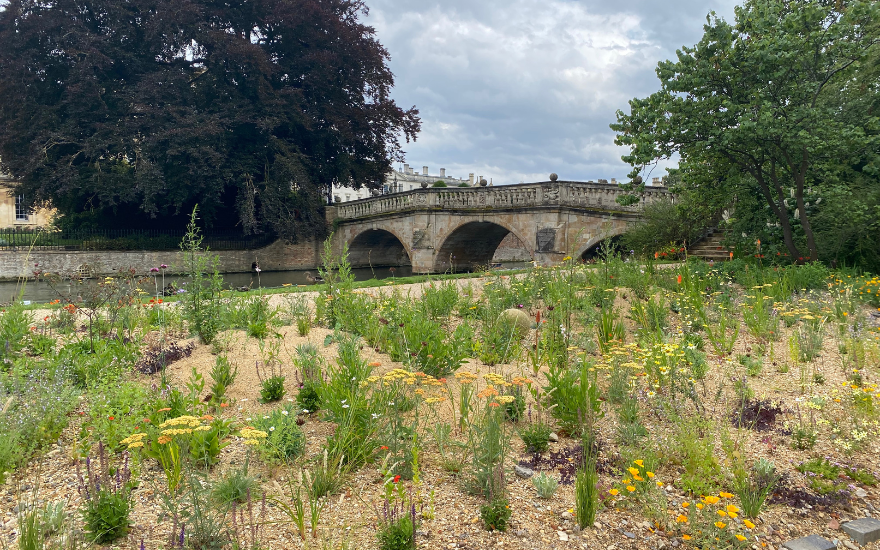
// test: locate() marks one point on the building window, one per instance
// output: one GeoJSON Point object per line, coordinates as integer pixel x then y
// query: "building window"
{"type": "Point", "coordinates": [347, 198]}
{"type": "Point", "coordinates": [21, 212]}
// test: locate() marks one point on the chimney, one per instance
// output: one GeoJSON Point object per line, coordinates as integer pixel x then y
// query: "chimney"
{"type": "Point", "coordinates": [406, 168]}
{"type": "Point", "coordinates": [443, 172]}
{"type": "Point", "coordinates": [613, 180]}
{"type": "Point", "coordinates": [471, 178]}
{"type": "Point", "coordinates": [655, 181]}
{"type": "Point", "coordinates": [424, 170]}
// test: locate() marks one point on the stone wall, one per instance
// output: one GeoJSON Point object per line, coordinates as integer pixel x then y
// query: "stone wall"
{"type": "Point", "coordinates": [511, 249]}
{"type": "Point", "coordinates": [278, 256]}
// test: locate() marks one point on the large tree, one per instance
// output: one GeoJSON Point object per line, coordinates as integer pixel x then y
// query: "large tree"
{"type": "Point", "coordinates": [136, 110]}
{"type": "Point", "coordinates": [763, 99]}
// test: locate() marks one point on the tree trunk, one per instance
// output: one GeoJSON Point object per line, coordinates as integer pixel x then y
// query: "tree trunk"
{"type": "Point", "coordinates": [800, 177]}
{"type": "Point", "coordinates": [780, 212]}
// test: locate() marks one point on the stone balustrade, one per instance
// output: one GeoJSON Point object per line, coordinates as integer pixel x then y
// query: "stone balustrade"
{"type": "Point", "coordinates": [570, 194]}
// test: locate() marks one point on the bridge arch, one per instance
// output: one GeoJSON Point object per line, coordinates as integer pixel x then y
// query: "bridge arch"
{"type": "Point", "coordinates": [378, 247]}
{"type": "Point", "coordinates": [471, 244]}
{"type": "Point", "coordinates": [591, 249]}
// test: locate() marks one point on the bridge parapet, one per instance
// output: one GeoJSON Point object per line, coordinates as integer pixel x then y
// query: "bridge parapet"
{"type": "Point", "coordinates": [573, 194]}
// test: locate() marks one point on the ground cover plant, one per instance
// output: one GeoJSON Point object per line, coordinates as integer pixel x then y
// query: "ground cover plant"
{"type": "Point", "coordinates": [702, 401]}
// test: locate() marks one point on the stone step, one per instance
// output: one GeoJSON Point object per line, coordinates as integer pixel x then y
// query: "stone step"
{"type": "Point", "coordinates": [813, 542]}
{"type": "Point", "coordinates": [863, 531]}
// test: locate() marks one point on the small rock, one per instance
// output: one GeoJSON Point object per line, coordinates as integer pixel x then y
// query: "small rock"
{"type": "Point", "coordinates": [553, 437]}
{"type": "Point", "coordinates": [521, 533]}
{"type": "Point", "coordinates": [629, 535]}
{"type": "Point", "coordinates": [834, 524]}
{"type": "Point", "coordinates": [566, 515]}
{"type": "Point", "coordinates": [861, 493]}
{"type": "Point", "coordinates": [563, 536]}
{"type": "Point", "coordinates": [523, 472]}
{"type": "Point", "coordinates": [850, 545]}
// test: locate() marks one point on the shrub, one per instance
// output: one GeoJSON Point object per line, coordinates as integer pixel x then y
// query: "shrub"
{"type": "Point", "coordinates": [545, 485]}
{"type": "Point", "coordinates": [536, 437]}
{"type": "Point", "coordinates": [439, 183]}
{"type": "Point", "coordinates": [397, 529]}
{"type": "Point", "coordinates": [272, 389]}
{"type": "Point", "coordinates": [496, 514]}
{"type": "Point", "coordinates": [571, 393]}
{"type": "Point", "coordinates": [223, 376]}
{"type": "Point", "coordinates": [107, 499]}
{"type": "Point", "coordinates": [157, 358]}
{"type": "Point", "coordinates": [285, 440]}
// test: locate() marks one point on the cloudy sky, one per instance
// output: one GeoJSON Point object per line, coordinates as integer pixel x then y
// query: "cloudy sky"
{"type": "Point", "coordinates": [516, 89]}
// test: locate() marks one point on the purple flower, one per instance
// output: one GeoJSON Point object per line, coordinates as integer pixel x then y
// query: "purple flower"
{"type": "Point", "coordinates": [163, 266]}
{"type": "Point", "coordinates": [154, 270]}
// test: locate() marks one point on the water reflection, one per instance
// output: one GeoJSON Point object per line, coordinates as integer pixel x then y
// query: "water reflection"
{"type": "Point", "coordinates": [41, 291]}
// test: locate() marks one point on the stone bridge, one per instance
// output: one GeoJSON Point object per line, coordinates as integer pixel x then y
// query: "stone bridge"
{"type": "Point", "coordinates": [457, 229]}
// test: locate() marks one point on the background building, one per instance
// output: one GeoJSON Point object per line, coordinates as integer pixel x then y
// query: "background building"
{"type": "Point", "coordinates": [13, 213]}
{"type": "Point", "coordinates": [399, 181]}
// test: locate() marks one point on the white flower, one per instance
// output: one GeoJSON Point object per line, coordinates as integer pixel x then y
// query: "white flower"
{"type": "Point", "coordinates": [244, 399]}
{"type": "Point", "coordinates": [266, 418]}
{"type": "Point", "coordinates": [284, 413]}
{"type": "Point", "coordinates": [375, 416]}
{"type": "Point", "coordinates": [306, 411]}
{"type": "Point", "coordinates": [248, 419]}
{"type": "Point", "coordinates": [345, 406]}
{"type": "Point", "coordinates": [271, 428]}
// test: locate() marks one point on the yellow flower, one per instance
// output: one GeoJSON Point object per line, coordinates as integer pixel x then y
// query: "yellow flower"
{"type": "Point", "coordinates": [638, 478]}
{"type": "Point", "coordinates": [685, 504]}
{"type": "Point", "coordinates": [731, 508]}
{"type": "Point", "coordinates": [740, 537]}
{"type": "Point", "coordinates": [734, 515]}
{"type": "Point", "coordinates": [748, 524]}
{"type": "Point", "coordinates": [639, 463]}
{"type": "Point", "coordinates": [681, 518]}
{"type": "Point", "coordinates": [650, 474]}
{"type": "Point", "coordinates": [699, 505]}
{"type": "Point", "coordinates": [614, 492]}
{"type": "Point", "coordinates": [712, 499]}
{"type": "Point", "coordinates": [630, 488]}
{"type": "Point", "coordinates": [686, 537]}
{"type": "Point", "coordinates": [721, 513]}
{"type": "Point", "coordinates": [720, 524]}
{"type": "Point", "coordinates": [725, 495]}
{"type": "Point", "coordinates": [633, 471]}
{"type": "Point", "coordinates": [136, 444]}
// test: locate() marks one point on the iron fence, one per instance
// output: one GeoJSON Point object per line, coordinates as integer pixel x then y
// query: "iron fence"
{"type": "Point", "coordinates": [123, 239]}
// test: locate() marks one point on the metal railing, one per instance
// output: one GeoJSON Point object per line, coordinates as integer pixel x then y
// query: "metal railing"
{"type": "Point", "coordinates": [123, 239]}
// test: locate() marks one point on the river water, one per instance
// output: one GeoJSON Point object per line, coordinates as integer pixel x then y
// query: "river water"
{"type": "Point", "coordinates": [41, 291]}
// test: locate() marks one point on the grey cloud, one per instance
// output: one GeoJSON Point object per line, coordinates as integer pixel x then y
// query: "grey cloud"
{"type": "Point", "coordinates": [515, 89]}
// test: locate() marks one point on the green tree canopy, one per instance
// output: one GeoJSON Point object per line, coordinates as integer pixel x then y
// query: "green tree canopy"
{"type": "Point", "coordinates": [137, 110]}
{"type": "Point", "coordinates": [767, 103]}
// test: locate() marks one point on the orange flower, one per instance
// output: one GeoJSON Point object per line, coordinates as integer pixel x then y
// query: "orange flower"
{"type": "Point", "coordinates": [163, 439]}
{"type": "Point", "coordinates": [748, 524]}
{"type": "Point", "coordinates": [686, 537]}
{"type": "Point", "coordinates": [681, 518]}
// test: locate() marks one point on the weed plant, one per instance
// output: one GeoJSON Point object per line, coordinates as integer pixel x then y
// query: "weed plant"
{"type": "Point", "coordinates": [546, 485]}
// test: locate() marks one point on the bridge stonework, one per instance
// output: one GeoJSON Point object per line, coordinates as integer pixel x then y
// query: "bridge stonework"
{"type": "Point", "coordinates": [443, 229]}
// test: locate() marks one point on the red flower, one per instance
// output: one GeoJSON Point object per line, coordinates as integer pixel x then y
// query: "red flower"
{"type": "Point", "coordinates": [679, 279]}
{"type": "Point", "coordinates": [383, 448]}
{"type": "Point", "coordinates": [110, 417]}
{"type": "Point", "coordinates": [396, 478]}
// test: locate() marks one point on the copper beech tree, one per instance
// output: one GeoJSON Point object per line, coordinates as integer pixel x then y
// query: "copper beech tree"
{"type": "Point", "coordinates": [125, 113]}
{"type": "Point", "coordinates": [763, 98]}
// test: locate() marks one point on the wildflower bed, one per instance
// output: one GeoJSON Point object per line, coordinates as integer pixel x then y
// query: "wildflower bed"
{"type": "Point", "coordinates": [683, 405]}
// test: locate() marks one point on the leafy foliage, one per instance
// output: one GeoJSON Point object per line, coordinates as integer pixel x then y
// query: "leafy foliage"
{"type": "Point", "coordinates": [142, 109]}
